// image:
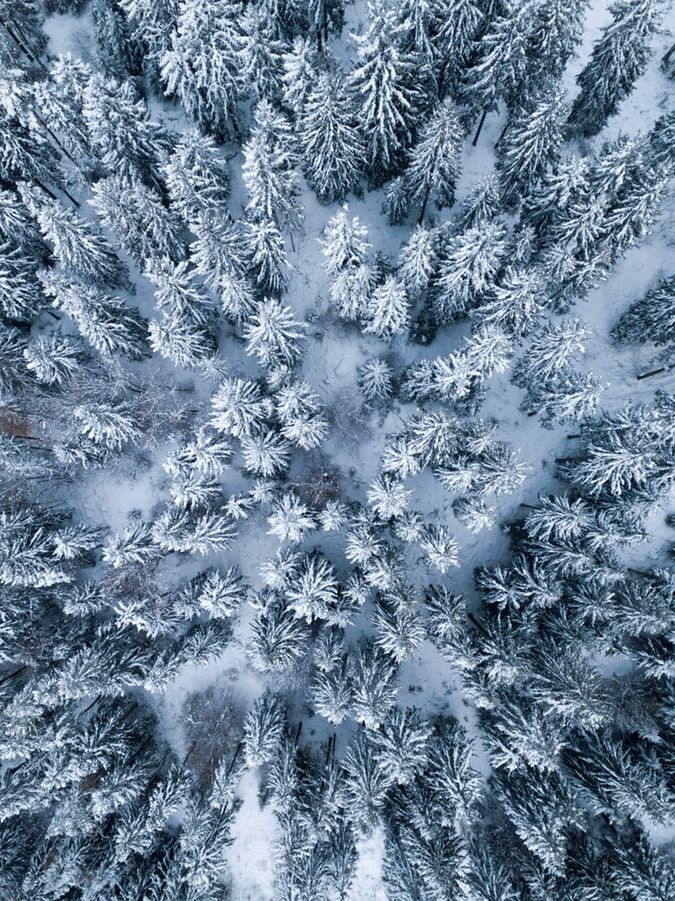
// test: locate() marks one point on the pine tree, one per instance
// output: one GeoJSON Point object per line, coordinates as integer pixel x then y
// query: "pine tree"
{"type": "Point", "coordinates": [553, 349]}
{"type": "Point", "coordinates": [81, 251]}
{"type": "Point", "coordinates": [59, 103]}
{"type": "Point", "coordinates": [128, 142]}
{"type": "Point", "coordinates": [396, 202]}
{"type": "Point", "coordinates": [278, 638]}
{"type": "Point", "coordinates": [435, 160]}
{"type": "Point", "coordinates": [181, 339]}
{"type": "Point", "coordinates": [481, 205]}
{"type": "Point", "coordinates": [178, 293]}
{"type": "Point", "coordinates": [466, 267]}
{"type": "Point", "coordinates": [375, 379]}
{"type": "Point", "coordinates": [315, 589]}
{"type": "Point", "coordinates": [299, 411]}
{"type": "Point", "coordinates": [402, 744]}
{"type": "Point", "coordinates": [263, 730]}
{"type": "Point", "coordinates": [261, 57]}
{"type": "Point", "coordinates": [499, 70]}
{"type": "Point", "coordinates": [556, 31]}
{"type": "Point", "coordinates": [398, 629]}
{"type": "Point", "coordinates": [268, 169]}
{"type": "Point", "coordinates": [273, 334]}
{"type": "Point", "coordinates": [620, 780]}
{"type": "Point", "coordinates": [568, 397]}
{"type": "Point", "coordinates": [387, 311]}
{"type": "Point", "coordinates": [197, 177]}
{"type": "Point", "coordinates": [372, 674]}
{"type": "Point", "coordinates": [290, 519]}
{"type": "Point", "coordinates": [107, 425]}
{"type": "Point", "coordinates": [21, 297]}
{"type": "Point", "coordinates": [106, 322]}
{"type": "Point", "coordinates": [325, 15]}
{"type": "Point", "coordinates": [542, 809]}
{"type": "Point", "coordinates": [117, 54]}
{"type": "Point", "coordinates": [459, 24]}
{"type": "Point", "coordinates": [202, 66]}
{"type": "Point", "coordinates": [26, 156]}
{"type": "Point", "coordinates": [618, 59]}
{"type": "Point", "coordinates": [239, 408]}
{"type": "Point", "coordinates": [141, 223]}
{"type": "Point", "coordinates": [530, 146]}
{"type": "Point", "coordinates": [651, 318]}
{"type": "Point", "coordinates": [366, 782]}
{"type": "Point", "coordinates": [344, 242]}
{"type": "Point", "coordinates": [515, 305]}
{"type": "Point", "coordinates": [267, 256]}
{"type": "Point", "coordinates": [151, 23]}
{"type": "Point", "coordinates": [417, 260]}
{"type": "Point", "coordinates": [388, 99]}
{"type": "Point", "coordinates": [300, 70]}
{"type": "Point", "coordinates": [266, 454]}
{"type": "Point", "coordinates": [332, 148]}
{"type": "Point", "coordinates": [55, 359]}
{"type": "Point", "coordinates": [440, 548]}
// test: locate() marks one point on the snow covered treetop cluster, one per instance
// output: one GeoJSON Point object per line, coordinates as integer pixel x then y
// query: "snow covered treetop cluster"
{"type": "Point", "coordinates": [337, 444]}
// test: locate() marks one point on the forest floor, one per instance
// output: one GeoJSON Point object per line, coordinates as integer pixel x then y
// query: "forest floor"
{"type": "Point", "coordinates": [333, 353]}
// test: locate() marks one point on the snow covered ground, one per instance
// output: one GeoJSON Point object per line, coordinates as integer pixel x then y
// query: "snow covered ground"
{"type": "Point", "coordinates": [333, 353]}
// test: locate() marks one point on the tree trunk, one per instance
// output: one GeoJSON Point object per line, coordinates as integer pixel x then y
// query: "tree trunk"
{"type": "Point", "coordinates": [666, 57]}
{"type": "Point", "coordinates": [502, 135]}
{"type": "Point", "coordinates": [480, 128]}
{"type": "Point", "coordinates": [424, 205]}
{"type": "Point", "coordinates": [647, 375]}
{"type": "Point", "coordinates": [477, 624]}
{"type": "Point", "coordinates": [13, 675]}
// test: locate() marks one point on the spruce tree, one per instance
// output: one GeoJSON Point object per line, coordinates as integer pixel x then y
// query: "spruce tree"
{"type": "Point", "coordinates": [618, 59]}
{"type": "Point", "coordinates": [530, 147]}
{"type": "Point", "coordinates": [651, 318]}
{"type": "Point", "coordinates": [197, 177]}
{"type": "Point", "coordinates": [332, 147]}
{"type": "Point", "coordinates": [202, 67]}
{"type": "Point", "coordinates": [434, 164]}
{"type": "Point", "coordinates": [388, 100]}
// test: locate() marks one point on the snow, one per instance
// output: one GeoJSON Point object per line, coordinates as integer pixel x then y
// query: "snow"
{"type": "Point", "coordinates": [332, 355]}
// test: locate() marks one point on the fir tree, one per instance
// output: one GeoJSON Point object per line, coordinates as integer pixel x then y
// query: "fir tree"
{"type": "Point", "coordinates": [202, 66]}
{"type": "Point", "coordinates": [458, 26]}
{"type": "Point", "coordinates": [273, 334]}
{"type": "Point", "coordinates": [617, 61]}
{"type": "Point", "coordinates": [515, 305]}
{"type": "Point", "coordinates": [268, 169]}
{"type": "Point", "coordinates": [263, 730]}
{"type": "Point", "coordinates": [278, 638]}
{"type": "Point", "coordinates": [434, 163]}
{"type": "Point", "coordinates": [106, 322]}
{"type": "Point", "coordinates": [78, 248]}
{"type": "Point", "coordinates": [372, 674]}
{"type": "Point", "coordinates": [530, 146]}
{"type": "Point", "coordinates": [300, 70]}
{"type": "Point", "coordinates": [331, 144]}
{"type": "Point", "coordinates": [384, 84]}
{"type": "Point", "coordinates": [197, 177]}
{"type": "Point", "coordinates": [129, 143]}
{"type": "Point", "coordinates": [649, 319]}
{"type": "Point", "coordinates": [141, 223]}
{"type": "Point", "coordinates": [261, 57]}
{"type": "Point", "coordinates": [417, 260]}
{"type": "Point", "coordinates": [387, 311]}
{"type": "Point", "coordinates": [465, 270]}
{"type": "Point", "coordinates": [267, 255]}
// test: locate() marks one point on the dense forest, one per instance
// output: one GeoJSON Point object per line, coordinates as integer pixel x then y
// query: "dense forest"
{"type": "Point", "coordinates": [337, 450]}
